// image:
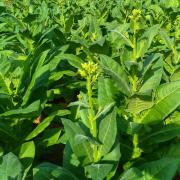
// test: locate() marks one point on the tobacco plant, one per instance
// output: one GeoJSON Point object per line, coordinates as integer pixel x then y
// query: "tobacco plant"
{"type": "Point", "coordinates": [89, 89]}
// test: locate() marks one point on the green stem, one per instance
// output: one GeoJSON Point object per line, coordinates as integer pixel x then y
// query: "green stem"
{"type": "Point", "coordinates": [134, 77]}
{"type": "Point", "coordinates": [136, 150]}
{"type": "Point", "coordinates": [92, 119]}
{"type": "Point", "coordinates": [134, 44]}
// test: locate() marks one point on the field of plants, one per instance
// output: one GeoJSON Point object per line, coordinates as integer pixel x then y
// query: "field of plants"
{"type": "Point", "coordinates": [89, 89]}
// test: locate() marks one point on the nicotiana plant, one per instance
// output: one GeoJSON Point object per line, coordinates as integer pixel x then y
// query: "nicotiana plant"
{"type": "Point", "coordinates": [89, 89]}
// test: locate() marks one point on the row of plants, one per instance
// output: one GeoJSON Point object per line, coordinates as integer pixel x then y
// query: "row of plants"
{"type": "Point", "coordinates": [89, 89]}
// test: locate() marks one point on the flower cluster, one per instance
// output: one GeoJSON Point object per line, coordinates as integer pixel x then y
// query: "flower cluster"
{"type": "Point", "coordinates": [89, 70]}
{"type": "Point", "coordinates": [136, 14]}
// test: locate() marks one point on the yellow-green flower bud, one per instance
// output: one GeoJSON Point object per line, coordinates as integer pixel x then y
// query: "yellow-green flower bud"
{"type": "Point", "coordinates": [136, 14]}
{"type": "Point", "coordinates": [89, 69]}
{"type": "Point", "coordinates": [82, 73]}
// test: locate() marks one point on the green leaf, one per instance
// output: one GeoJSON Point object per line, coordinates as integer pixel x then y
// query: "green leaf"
{"type": "Point", "coordinates": [39, 77]}
{"type": "Point", "coordinates": [151, 83]}
{"type": "Point", "coordinates": [163, 134]}
{"type": "Point", "coordinates": [51, 137]}
{"type": "Point", "coordinates": [118, 74]}
{"type": "Point", "coordinates": [114, 155]}
{"type": "Point", "coordinates": [138, 104]}
{"type": "Point", "coordinates": [167, 101]}
{"type": "Point", "coordinates": [165, 169]}
{"type": "Point", "coordinates": [98, 171]}
{"type": "Point", "coordinates": [45, 123]}
{"type": "Point", "coordinates": [83, 149]}
{"type": "Point", "coordinates": [10, 167]}
{"type": "Point", "coordinates": [152, 78]}
{"type": "Point", "coordinates": [47, 171]}
{"type": "Point", "coordinates": [167, 40]}
{"type": "Point", "coordinates": [7, 131]}
{"type": "Point", "coordinates": [124, 38]}
{"type": "Point", "coordinates": [176, 75]}
{"type": "Point", "coordinates": [146, 39]}
{"type": "Point", "coordinates": [26, 156]}
{"type": "Point", "coordinates": [132, 174]}
{"type": "Point", "coordinates": [4, 88]}
{"type": "Point", "coordinates": [107, 133]}
{"type": "Point", "coordinates": [32, 109]}
{"type": "Point", "coordinates": [105, 110]}
{"type": "Point", "coordinates": [106, 91]}
{"type": "Point", "coordinates": [173, 151]}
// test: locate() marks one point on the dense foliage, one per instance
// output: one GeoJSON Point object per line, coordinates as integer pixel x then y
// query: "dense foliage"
{"type": "Point", "coordinates": [89, 89]}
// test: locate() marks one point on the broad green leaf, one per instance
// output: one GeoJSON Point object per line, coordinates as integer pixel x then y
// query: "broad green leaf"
{"type": "Point", "coordinates": [26, 156]}
{"type": "Point", "coordinates": [4, 88]}
{"type": "Point", "coordinates": [114, 155]}
{"type": "Point", "coordinates": [152, 82]}
{"type": "Point", "coordinates": [152, 78]}
{"type": "Point", "coordinates": [45, 123]}
{"type": "Point", "coordinates": [106, 91]}
{"type": "Point", "coordinates": [167, 40]}
{"type": "Point", "coordinates": [165, 169]}
{"type": "Point", "coordinates": [72, 59]}
{"type": "Point", "coordinates": [167, 101]}
{"type": "Point", "coordinates": [132, 174]}
{"type": "Point", "coordinates": [47, 171]}
{"type": "Point", "coordinates": [10, 167]}
{"type": "Point", "coordinates": [148, 62]}
{"type": "Point", "coordinates": [107, 133]}
{"type": "Point", "coordinates": [163, 134]}
{"type": "Point", "coordinates": [173, 151]}
{"type": "Point", "coordinates": [175, 76]}
{"type": "Point", "coordinates": [105, 110]}
{"type": "Point", "coordinates": [71, 162]}
{"type": "Point", "coordinates": [7, 131]}
{"type": "Point", "coordinates": [138, 104]}
{"type": "Point", "coordinates": [51, 137]}
{"type": "Point", "coordinates": [83, 149]}
{"type": "Point", "coordinates": [124, 38]}
{"type": "Point", "coordinates": [118, 74]}
{"type": "Point", "coordinates": [58, 75]}
{"type": "Point", "coordinates": [146, 39]}
{"type": "Point", "coordinates": [98, 171]}
{"type": "Point", "coordinates": [39, 77]}
{"type": "Point", "coordinates": [32, 109]}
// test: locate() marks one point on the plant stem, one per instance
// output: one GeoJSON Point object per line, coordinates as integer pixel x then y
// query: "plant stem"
{"type": "Point", "coordinates": [134, 43]}
{"type": "Point", "coordinates": [136, 150]}
{"type": "Point", "coordinates": [92, 119]}
{"type": "Point", "coordinates": [134, 77]}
